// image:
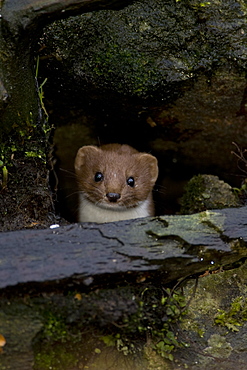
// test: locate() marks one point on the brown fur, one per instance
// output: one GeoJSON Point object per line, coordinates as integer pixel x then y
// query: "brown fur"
{"type": "Point", "coordinates": [117, 163]}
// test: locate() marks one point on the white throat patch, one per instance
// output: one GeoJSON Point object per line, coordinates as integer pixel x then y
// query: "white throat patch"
{"type": "Point", "coordinates": [90, 212]}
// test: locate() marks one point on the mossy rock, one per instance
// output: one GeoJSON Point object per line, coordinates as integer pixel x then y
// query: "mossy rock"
{"type": "Point", "coordinates": [145, 48]}
{"type": "Point", "coordinates": [207, 192]}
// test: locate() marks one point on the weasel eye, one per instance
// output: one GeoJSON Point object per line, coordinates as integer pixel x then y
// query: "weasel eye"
{"type": "Point", "coordinates": [98, 177]}
{"type": "Point", "coordinates": [131, 181]}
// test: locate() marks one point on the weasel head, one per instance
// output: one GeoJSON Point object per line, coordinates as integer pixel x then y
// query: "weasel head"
{"type": "Point", "coordinates": [115, 176]}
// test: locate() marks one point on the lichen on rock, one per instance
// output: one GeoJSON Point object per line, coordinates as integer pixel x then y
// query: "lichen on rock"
{"type": "Point", "coordinates": [207, 192]}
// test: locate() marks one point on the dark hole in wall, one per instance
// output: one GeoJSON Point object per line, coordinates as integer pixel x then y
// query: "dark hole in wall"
{"type": "Point", "coordinates": [84, 117]}
{"type": "Point", "coordinates": [99, 125]}
{"type": "Point", "coordinates": [96, 121]}
{"type": "Point", "coordinates": [76, 128]}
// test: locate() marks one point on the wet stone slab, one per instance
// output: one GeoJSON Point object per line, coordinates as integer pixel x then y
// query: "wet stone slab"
{"type": "Point", "coordinates": [93, 253]}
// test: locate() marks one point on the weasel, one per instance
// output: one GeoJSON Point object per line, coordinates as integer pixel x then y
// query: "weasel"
{"type": "Point", "coordinates": [115, 183]}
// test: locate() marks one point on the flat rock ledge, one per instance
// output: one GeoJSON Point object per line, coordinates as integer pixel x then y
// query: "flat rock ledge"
{"type": "Point", "coordinates": [165, 247]}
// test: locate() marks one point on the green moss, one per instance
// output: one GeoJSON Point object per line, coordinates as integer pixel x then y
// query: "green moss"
{"type": "Point", "coordinates": [24, 147]}
{"type": "Point", "coordinates": [159, 312]}
{"type": "Point", "coordinates": [153, 313]}
{"type": "Point", "coordinates": [55, 357]}
{"type": "Point", "coordinates": [235, 316]}
{"type": "Point", "coordinates": [54, 327]}
{"type": "Point", "coordinates": [165, 340]}
{"type": "Point", "coordinates": [126, 67]}
{"type": "Point", "coordinates": [191, 325]}
{"type": "Point", "coordinates": [56, 348]}
{"type": "Point", "coordinates": [205, 192]}
{"type": "Point", "coordinates": [192, 200]}
{"type": "Point", "coordinates": [29, 139]}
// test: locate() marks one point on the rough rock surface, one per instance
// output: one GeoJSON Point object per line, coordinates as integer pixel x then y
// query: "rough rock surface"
{"type": "Point", "coordinates": [207, 192]}
{"type": "Point", "coordinates": [91, 253]}
{"type": "Point", "coordinates": [84, 276]}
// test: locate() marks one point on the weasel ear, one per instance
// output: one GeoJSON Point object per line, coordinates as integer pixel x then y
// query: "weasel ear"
{"type": "Point", "coordinates": [150, 163]}
{"type": "Point", "coordinates": [84, 154]}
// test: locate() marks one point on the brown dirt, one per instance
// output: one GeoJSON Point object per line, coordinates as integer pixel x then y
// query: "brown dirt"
{"type": "Point", "coordinates": [26, 201]}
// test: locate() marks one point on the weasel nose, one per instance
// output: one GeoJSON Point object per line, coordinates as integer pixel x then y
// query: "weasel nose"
{"type": "Point", "coordinates": [113, 197]}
